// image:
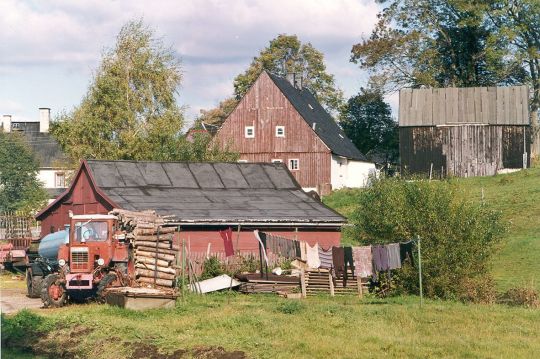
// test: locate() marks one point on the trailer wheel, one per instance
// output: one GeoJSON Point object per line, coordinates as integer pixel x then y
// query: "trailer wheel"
{"type": "Point", "coordinates": [53, 293]}
{"type": "Point", "coordinates": [104, 283]}
{"type": "Point", "coordinates": [33, 284]}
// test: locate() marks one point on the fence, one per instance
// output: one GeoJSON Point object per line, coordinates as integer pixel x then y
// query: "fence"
{"type": "Point", "coordinates": [15, 225]}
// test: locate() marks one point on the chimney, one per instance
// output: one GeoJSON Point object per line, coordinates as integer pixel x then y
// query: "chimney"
{"type": "Point", "coordinates": [295, 79]}
{"type": "Point", "coordinates": [44, 119]}
{"type": "Point", "coordinates": [6, 123]}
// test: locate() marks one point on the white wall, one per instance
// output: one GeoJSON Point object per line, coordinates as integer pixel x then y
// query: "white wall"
{"type": "Point", "coordinates": [48, 177]}
{"type": "Point", "coordinates": [350, 173]}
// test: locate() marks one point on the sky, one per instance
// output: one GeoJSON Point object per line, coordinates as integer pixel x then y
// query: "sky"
{"type": "Point", "coordinates": [51, 48]}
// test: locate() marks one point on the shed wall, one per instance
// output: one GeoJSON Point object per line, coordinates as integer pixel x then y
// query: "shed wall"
{"type": "Point", "coordinates": [463, 151]}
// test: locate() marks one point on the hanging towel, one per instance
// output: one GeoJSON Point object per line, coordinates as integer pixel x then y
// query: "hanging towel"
{"type": "Point", "coordinates": [394, 259]}
{"type": "Point", "coordinates": [363, 261]}
{"type": "Point", "coordinates": [261, 237]}
{"type": "Point", "coordinates": [312, 255]}
{"type": "Point", "coordinates": [227, 241]}
{"type": "Point", "coordinates": [338, 260]}
{"type": "Point", "coordinates": [325, 257]}
{"type": "Point", "coordinates": [380, 258]}
{"type": "Point", "coordinates": [406, 251]}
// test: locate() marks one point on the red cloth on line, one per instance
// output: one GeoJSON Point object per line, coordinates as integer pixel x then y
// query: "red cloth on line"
{"type": "Point", "coordinates": [227, 242]}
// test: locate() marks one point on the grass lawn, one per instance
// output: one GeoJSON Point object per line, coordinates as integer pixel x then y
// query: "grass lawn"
{"type": "Point", "coordinates": [517, 196]}
{"type": "Point", "coordinates": [271, 327]}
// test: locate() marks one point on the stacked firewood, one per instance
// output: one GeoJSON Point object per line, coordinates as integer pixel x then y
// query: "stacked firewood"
{"type": "Point", "coordinates": [154, 252]}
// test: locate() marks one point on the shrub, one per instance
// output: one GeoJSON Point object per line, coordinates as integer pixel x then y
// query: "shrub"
{"type": "Point", "coordinates": [212, 267]}
{"type": "Point", "coordinates": [290, 307]}
{"type": "Point", "coordinates": [458, 237]}
{"type": "Point", "coordinates": [522, 296]}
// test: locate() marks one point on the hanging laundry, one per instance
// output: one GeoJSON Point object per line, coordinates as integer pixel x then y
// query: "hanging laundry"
{"type": "Point", "coordinates": [325, 257]}
{"type": "Point", "coordinates": [348, 258]}
{"type": "Point", "coordinates": [261, 237]}
{"type": "Point", "coordinates": [227, 241]}
{"type": "Point", "coordinates": [363, 264]}
{"type": "Point", "coordinates": [297, 251]}
{"type": "Point", "coordinates": [380, 258]}
{"type": "Point", "coordinates": [394, 259]}
{"type": "Point", "coordinates": [338, 260]}
{"type": "Point", "coordinates": [406, 251]}
{"type": "Point", "coordinates": [312, 255]}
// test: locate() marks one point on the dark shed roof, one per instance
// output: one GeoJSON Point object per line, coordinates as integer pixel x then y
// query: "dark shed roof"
{"type": "Point", "coordinates": [325, 127]}
{"type": "Point", "coordinates": [210, 192]}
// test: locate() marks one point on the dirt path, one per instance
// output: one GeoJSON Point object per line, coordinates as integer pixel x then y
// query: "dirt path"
{"type": "Point", "coordinates": [14, 299]}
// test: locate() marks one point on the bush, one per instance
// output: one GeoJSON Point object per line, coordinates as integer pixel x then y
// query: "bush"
{"type": "Point", "coordinates": [290, 307]}
{"type": "Point", "coordinates": [458, 237]}
{"type": "Point", "coordinates": [212, 267]}
{"type": "Point", "coordinates": [522, 296]}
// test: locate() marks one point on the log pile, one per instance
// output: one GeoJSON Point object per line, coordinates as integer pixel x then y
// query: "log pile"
{"type": "Point", "coordinates": [153, 248]}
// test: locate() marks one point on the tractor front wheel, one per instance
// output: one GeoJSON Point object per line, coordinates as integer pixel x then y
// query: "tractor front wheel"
{"type": "Point", "coordinates": [33, 284]}
{"type": "Point", "coordinates": [105, 282]}
{"type": "Point", "coordinates": [53, 293]}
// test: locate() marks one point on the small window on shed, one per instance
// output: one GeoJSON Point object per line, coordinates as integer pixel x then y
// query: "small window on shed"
{"type": "Point", "coordinates": [280, 131]}
{"type": "Point", "coordinates": [249, 131]}
{"type": "Point", "coordinates": [293, 164]}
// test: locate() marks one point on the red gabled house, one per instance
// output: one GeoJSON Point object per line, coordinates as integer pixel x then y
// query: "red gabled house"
{"type": "Point", "coordinates": [277, 121]}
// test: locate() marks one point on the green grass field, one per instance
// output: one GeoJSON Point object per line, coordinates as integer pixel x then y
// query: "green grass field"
{"type": "Point", "coordinates": [271, 327]}
{"type": "Point", "coordinates": [517, 196]}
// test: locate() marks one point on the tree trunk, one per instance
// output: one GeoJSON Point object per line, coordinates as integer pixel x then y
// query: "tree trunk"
{"type": "Point", "coordinates": [159, 281]}
{"type": "Point", "coordinates": [148, 260]}
{"type": "Point", "coordinates": [168, 270]}
{"type": "Point", "coordinates": [166, 257]}
{"type": "Point", "coordinates": [150, 274]}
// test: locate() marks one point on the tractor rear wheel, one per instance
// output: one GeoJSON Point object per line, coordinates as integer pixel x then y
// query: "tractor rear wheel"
{"type": "Point", "coordinates": [33, 284]}
{"type": "Point", "coordinates": [105, 282]}
{"type": "Point", "coordinates": [53, 293]}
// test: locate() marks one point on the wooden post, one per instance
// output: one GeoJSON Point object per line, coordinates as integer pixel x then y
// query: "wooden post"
{"type": "Point", "coordinates": [183, 270]}
{"type": "Point", "coordinates": [238, 239]}
{"type": "Point", "coordinates": [420, 272]}
{"type": "Point", "coordinates": [331, 282]}
{"type": "Point", "coordinates": [303, 283]}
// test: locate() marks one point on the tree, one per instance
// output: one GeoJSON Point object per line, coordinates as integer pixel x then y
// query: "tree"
{"type": "Point", "coordinates": [19, 187]}
{"type": "Point", "coordinates": [435, 43]}
{"type": "Point", "coordinates": [285, 54]}
{"type": "Point", "coordinates": [367, 121]}
{"type": "Point", "coordinates": [130, 110]}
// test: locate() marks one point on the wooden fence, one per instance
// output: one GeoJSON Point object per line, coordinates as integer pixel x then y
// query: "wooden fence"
{"type": "Point", "coordinates": [14, 225]}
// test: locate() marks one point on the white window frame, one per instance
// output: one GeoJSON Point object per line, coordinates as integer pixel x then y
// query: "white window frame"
{"type": "Point", "coordinates": [277, 160]}
{"type": "Point", "coordinates": [297, 164]}
{"type": "Point", "coordinates": [246, 134]}
{"type": "Point", "coordinates": [57, 177]}
{"type": "Point", "coordinates": [280, 128]}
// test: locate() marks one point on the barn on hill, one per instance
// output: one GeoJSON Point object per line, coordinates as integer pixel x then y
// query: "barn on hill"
{"type": "Point", "coordinates": [200, 199]}
{"type": "Point", "coordinates": [464, 132]}
{"type": "Point", "coordinates": [280, 121]}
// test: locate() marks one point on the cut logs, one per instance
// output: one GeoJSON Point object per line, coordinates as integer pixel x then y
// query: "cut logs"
{"type": "Point", "coordinates": [154, 253]}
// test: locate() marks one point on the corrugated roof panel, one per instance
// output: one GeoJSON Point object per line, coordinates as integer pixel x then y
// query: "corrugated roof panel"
{"type": "Point", "coordinates": [180, 175]}
{"type": "Point", "coordinates": [106, 174]}
{"type": "Point", "coordinates": [256, 176]}
{"type": "Point", "coordinates": [206, 175]}
{"type": "Point", "coordinates": [154, 174]}
{"type": "Point", "coordinates": [280, 176]}
{"type": "Point", "coordinates": [130, 173]}
{"type": "Point", "coordinates": [230, 175]}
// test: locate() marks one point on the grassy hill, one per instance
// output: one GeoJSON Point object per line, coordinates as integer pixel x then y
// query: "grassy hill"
{"type": "Point", "coordinates": [517, 196]}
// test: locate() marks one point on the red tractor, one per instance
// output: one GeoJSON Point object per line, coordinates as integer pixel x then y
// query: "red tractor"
{"type": "Point", "coordinates": [93, 257]}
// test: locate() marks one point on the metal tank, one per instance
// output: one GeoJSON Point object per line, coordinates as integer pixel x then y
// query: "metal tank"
{"type": "Point", "coordinates": [48, 246]}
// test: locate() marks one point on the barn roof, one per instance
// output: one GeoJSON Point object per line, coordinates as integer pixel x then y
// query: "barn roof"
{"type": "Point", "coordinates": [209, 192]}
{"type": "Point", "coordinates": [313, 113]}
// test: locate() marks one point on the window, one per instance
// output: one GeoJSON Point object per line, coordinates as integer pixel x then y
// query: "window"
{"type": "Point", "coordinates": [277, 160]}
{"type": "Point", "coordinates": [60, 180]}
{"type": "Point", "coordinates": [249, 131]}
{"type": "Point", "coordinates": [280, 131]}
{"type": "Point", "coordinates": [91, 231]}
{"type": "Point", "coordinates": [293, 164]}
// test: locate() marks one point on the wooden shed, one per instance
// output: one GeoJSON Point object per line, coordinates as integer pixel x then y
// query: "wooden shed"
{"type": "Point", "coordinates": [464, 132]}
{"type": "Point", "coordinates": [200, 199]}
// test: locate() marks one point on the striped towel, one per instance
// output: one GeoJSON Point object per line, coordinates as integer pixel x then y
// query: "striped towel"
{"type": "Point", "coordinates": [325, 257]}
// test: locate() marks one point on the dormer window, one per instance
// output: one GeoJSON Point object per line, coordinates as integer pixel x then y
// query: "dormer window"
{"type": "Point", "coordinates": [280, 131]}
{"type": "Point", "coordinates": [249, 131]}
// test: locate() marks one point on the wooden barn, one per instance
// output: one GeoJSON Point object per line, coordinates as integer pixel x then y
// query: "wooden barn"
{"type": "Point", "coordinates": [200, 199]}
{"type": "Point", "coordinates": [279, 121]}
{"type": "Point", "coordinates": [464, 132]}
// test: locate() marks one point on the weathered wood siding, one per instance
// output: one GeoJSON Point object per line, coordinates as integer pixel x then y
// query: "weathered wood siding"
{"type": "Point", "coordinates": [481, 105]}
{"type": "Point", "coordinates": [463, 151]}
{"type": "Point", "coordinates": [265, 107]}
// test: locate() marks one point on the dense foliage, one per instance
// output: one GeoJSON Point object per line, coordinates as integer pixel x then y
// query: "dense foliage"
{"type": "Point", "coordinates": [457, 237]}
{"type": "Point", "coordinates": [367, 121]}
{"type": "Point", "coordinates": [19, 188]}
{"type": "Point", "coordinates": [130, 110]}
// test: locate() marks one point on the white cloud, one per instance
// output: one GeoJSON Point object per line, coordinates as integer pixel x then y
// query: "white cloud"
{"type": "Point", "coordinates": [216, 39]}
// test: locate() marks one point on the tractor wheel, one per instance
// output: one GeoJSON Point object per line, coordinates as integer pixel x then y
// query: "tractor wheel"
{"type": "Point", "coordinates": [104, 283]}
{"type": "Point", "coordinates": [53, 293]}
{"type": "Point", "coordinates": [33, 284]}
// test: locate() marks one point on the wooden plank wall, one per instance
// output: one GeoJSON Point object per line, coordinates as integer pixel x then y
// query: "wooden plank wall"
{"type": "Point", "coordinates": [480, 105]}
{"type": "Point", "coordinates": [463, 151]}
{"type": "Point", "coordinates": [265, 107]}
